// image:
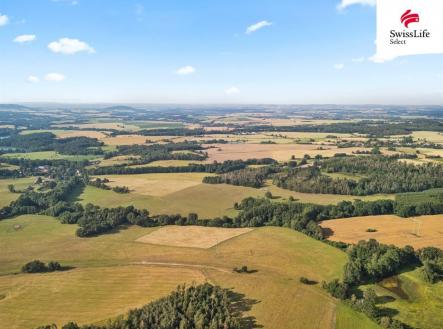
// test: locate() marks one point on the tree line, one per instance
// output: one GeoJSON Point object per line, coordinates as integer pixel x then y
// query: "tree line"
{"type": "Point", "coordinates": [148, 153]}
{"type": "Point", "coordinates": [216, 167]}
{"type": "Point", "coordinates": [249, 177]}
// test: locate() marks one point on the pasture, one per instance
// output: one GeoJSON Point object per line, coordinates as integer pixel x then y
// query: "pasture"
{"type": "Point", "coordinates": [49, 155]}
{"type": "Point", "coordinates": [6, 197]}
{"type": "Point", "coordinates": [419, 304]}
{"type": "Point", "coordinates": [191, 236]}
{"type": "Point", "coordinates": [418, 232]}
{"type": "Point", "coordinates": [126, 273]}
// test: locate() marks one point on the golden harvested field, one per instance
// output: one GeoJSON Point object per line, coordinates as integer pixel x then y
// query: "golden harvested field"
{"type": "Point", "coordinates": [118, 160]}
{"type": "Point", "coordinates": [157, 184]}
{"type": "Point", "coordinates": [90, 294]}
{"type": "Point", "coordinates": [191, 236]}
{"type": "Point", "coordinates": [131, 139]}
{"type": "Point", "coordinates": [279, 152]}
{"type": "Point", "coordinates": [431, 136]}
{"type": "Point", "coordinates": [80, 133]}
{"type": "Point", "coordinates": [418, 232]}
{"type": "Point", "coordinates": [100, 125]}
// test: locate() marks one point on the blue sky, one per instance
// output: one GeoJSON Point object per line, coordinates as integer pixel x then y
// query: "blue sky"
{"type": "Point", "coordinates": [200, 51]}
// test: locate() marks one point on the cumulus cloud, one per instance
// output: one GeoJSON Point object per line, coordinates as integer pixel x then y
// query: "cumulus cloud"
{"type": "Point", "coordinates": [56, 77]}
{"type": "Point", "coordinates": [3, 19]}
{"type": "Point", "coordinates": [69, 46]}
{"type": "Point", "coordinates": [33, 79]}
{"type": "Point", "coordinates": [346, 3]}
{"type": "Point", "coordinates": [185, 70]}
{"type": "Point", "coordinates": [232, 91]}
{"type": "Point", "coordinates": [339, 66]}
{"type": "Point", "coordinates": [257, 26]}
{"type": "Point", "coordinates": [25, 38]}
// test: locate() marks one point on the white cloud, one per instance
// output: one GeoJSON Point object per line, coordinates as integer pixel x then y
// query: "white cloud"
{"type": "Point", "coordinates": [232, 91]}
{"type": "Point", "coordinates": [257, 26]}
{"type": "Point", "coordinates": [33, 79]}
{"type": "Point", "coordinates": [69, 46]}
{"type": "Point", "coordinates": [25, 38]}
{"type": "Point", "coordinates": [339, 66]}
{"type": "Point", "coordinates": [57, 77]}
{"type": "Point", "coordinates": [346, 3]}
{"type": "Point", "coordinates": [185, 70]}
{"type": "Point", "coordinates": [3, 20]}
{"type": "Point", "coordinates": [358, 60]}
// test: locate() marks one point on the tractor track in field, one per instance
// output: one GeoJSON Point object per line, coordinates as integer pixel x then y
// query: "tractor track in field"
{"type": "Point", "coordinates": [196, 266]}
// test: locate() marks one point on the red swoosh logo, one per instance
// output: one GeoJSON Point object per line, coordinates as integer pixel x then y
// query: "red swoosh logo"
{"type": "Point", "coordinates": [408, 18]}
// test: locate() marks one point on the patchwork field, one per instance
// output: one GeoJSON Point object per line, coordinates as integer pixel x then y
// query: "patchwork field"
{"type": "Point", "coordinates": [191, 236]}
{"type": "Point", "coordinates": [418, 232]}
{"type": "Point", "coordinates": [109, 263]}
{"type": "Point", "coordinates": [124, 140]}
{"type": "Point", "coordinates": [157, 184]}
{"type": "Point", "coordinates": [184, 193]}
{"type": "Point", "coordinates": [208, 201]}
{"type": "Point", "coordinates": [100, 125]}
{"type": "Point", "coordinates": [279, 152]}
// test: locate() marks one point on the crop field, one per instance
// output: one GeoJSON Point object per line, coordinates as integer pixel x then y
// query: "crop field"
{"type": "Point", "coordinates": [431, 136]}
{"type": "Point", "coordinates": [192, 236]}
{"type": "Point", "coordinates": [418, 232]}
{"type": "Point", "coordinates": [100, 125]}
{"type": "Point", "coordinates": [279, 152]}
{"type": "Point", "coordinates": [116, 291]}
{"type": "Point", "coordinates": [157, 184]}
{"type": "Point", "coordinates": [80, 133]}
{"type": "Point", "coordinates": [126, 274]}
{"type": "Point", "coordinates": [126, 140]}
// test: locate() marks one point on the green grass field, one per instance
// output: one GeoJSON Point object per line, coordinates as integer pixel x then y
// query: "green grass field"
{"type": "Point", "coordinates": [420, 304]}
{"type": "Point", "coordinates": [7, 197]}
{"type": "Point", "coordinates": [348, 318]}
{"type": "Point", "coordinates": [114, 272]}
